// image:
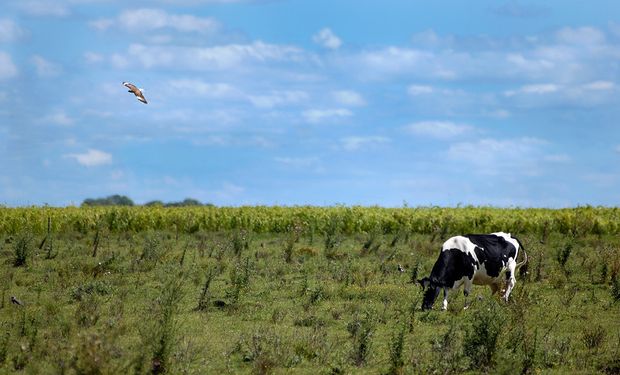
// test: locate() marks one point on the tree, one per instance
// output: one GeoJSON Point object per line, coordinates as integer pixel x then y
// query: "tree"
{"type": "Point", "coordinates": [112, 200]}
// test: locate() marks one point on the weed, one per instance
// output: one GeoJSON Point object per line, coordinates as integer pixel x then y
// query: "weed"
{"type": "Point", "coordinates": [361, 330]}
{"type": "Point", "coordinates": [481, 336]}
{"type": "Point", "coordinates": [239, 280]}
{"type": "Point", "coordinates": [151, 249]}
{"type": "Point", "coordinates": [94, 287]}
{"type": "Point", "coordinates": [240, 241]}
{"type": "Point", "coordinates": [87, 313]}
{"type": "Point", "coordinates": [615, 289]}
{"type": "Point", "coordinates": [203, 300]}
{"type": "Point", "coordinates": [563, 254]}
{"type": "Point", "coordinates": [4, 345]}
{"type": "Point", "coordinates": [593, 337]}
{"type": "Point", "coordinates": [332, 237]}
{"type": "Point", "coordinates": [21, 250]}
{"type": "Point", "coordinates": [396, 346]}
{"type": "Point", "coordinates": [160, 336]}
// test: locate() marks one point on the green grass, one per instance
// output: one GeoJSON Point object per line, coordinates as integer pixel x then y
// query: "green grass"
{"type": "Point", "coordinates": [293, 302]}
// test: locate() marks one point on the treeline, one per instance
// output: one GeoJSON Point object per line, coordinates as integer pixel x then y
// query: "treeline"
{"type": "Point", "coordinates": [122, 200]}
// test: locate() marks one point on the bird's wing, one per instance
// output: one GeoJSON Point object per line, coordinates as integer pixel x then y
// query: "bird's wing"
{"type": "Point", "coordinates": [140, 96]}
{"type": "Point", "coordinates": [131, 87]}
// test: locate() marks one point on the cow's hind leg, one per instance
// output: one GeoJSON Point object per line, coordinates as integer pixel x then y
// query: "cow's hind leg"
{"type": "Point", "coordinates": [510, 278]}
{"type": "Point", "coordinates": [466, 291]}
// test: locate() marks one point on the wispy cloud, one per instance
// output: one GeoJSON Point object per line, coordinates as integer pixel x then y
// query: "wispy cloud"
{"type": "Point", "coordinates": [349, 98]}
{"type": "Point", "coordinates": [92, 158]}
{"type": "Point", "coordinates": [93, 57]}
{"type": "Point", "coordinates": [147, 20]}
{"type": "Point", "coordinates": [10, 31]}
{"type": "Point", "coordinates": [207, 58]}
{"type": "Point", "coordinates": [495, 156]}
{"type": "Point", "coordinates": [538, 89]}
{"type": "Point", "coordinates": [356, 142]}
{"type": "Point", "coordinates": [7, 68]}
{"type": "Point", "coordinates": [44, 67]}
{"type": "Point", "coordinates": [316, 116]}
{"type": "Point", "coordinates": [438, 129]}
{"type": "Point", "coordinates": [199, 87]}
{"type": "Point", "coordinates": [415, 90]}
{"type": "Point", "coordinates": [326, 38]}
{"type": "Point", "coordinates": [58, 117]}
{"type": "Point", "coordinates": [44, 8]}
{"type": "Point", "coordinates": [298, 162]}
{"type": "Point", "coordinates": [278, 98]}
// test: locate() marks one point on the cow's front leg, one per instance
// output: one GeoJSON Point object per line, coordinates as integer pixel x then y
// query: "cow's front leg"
{"type": "Point", "coordinates": [445, 299]}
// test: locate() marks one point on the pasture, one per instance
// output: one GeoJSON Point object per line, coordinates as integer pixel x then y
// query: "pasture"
{"type": "Point", "coordinates": [299, 290]}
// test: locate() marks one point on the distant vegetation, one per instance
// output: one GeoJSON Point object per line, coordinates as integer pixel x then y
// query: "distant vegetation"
{"type": "Point", "coordinates": [112, 200]}
{"type": "Point", "coordinates": [122, 200]}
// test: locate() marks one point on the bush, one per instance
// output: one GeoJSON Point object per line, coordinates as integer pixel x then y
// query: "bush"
{"type": "Point", "coordinates": [481, 337]}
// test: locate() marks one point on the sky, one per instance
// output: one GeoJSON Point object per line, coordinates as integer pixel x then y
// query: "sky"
{"type": "Point", "coordinates": [323, 102]}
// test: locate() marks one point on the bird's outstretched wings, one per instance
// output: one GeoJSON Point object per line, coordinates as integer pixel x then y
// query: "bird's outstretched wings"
{"type": "Point", "coordinates": [136, 91]}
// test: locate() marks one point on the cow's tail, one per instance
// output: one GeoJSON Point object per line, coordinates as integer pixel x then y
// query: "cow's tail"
{"type": "Point", "coordinates": [524, 254]}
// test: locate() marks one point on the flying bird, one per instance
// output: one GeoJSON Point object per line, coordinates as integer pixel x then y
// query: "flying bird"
{"type": "Point", "coordinates": [136, 91]}
{"type": "Point", "coordinates": [15, 301]}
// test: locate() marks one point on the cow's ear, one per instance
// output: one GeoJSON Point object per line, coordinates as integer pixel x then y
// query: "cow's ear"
{"type": "Point", "coordinates": [424, 283]}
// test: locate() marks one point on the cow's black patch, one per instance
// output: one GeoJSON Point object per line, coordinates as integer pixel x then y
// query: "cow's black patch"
{"type": "Point", "coordinates": [492, 251]}
{"type": "Point", "coordinates": [452, 265]}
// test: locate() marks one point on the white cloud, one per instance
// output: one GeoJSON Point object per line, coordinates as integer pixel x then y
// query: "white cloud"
{"type": "Point", "coordinates": [207, 58]}
{"type": "Point", "coordinates": [438, 129]}
{"type": "Point", "coordinates": [355, 143]}
{"type": "Point", "coordinates": [278, 98]}
{"type": "Point", "coordinates": [202, 88]}
{"type": "Point", "coordinates": [557, 158]}
{"type": "Point", "coordinates": [536, 89]}
{"type": "Point", "coordinates": [298, 162]}
{"type": "Point", "coordinates": [494, 156]}
{"type": "Point", "coordinates": [228, 191]}
{"type": "Point", "coordinates": [323, 115]}
{"type": "Point", "coordinates": [581, 36]}
{"type": "Point", "coordinates": [93, 58]}
{"type": "Point", "coordinates": [58, 118]}
{"type": "Point", "coordinates": [326, 38]}
{"type": "Point", "coordinates": [44, 8]}
{"type": "Point", "coordinates": [567, 56]}
{"type": "Point", "coordinates": [349, 98]}
{"type": "Point", "coordinates": [92, 158]}
{"type": "Point", "coordinates": [9, 31]}
{"type": "Point", "coordinates": [147, 20]}
{"type": "Point", "coordinates": [599, 86]}
{"type": "Point", "coordinates": [415, 90]}
{"type": "Point", "coordinates": [7, 67]}
{"type": "Point", "coordinates": [102, 24]}
{"type": "Point", "coordinates": [45, 68]}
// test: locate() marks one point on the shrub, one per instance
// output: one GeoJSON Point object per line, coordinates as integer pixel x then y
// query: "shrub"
{"type": "Point", "coordinates": [481, 336]}
{"type": "Point", "coordinates": [21, 250]}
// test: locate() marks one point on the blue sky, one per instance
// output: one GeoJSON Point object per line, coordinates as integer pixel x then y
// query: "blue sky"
{"type": "Point", "coordinates": [506, 103]}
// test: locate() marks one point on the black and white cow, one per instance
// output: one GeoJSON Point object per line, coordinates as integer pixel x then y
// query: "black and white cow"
{"type": "Point", "coordinates": [473, 259]}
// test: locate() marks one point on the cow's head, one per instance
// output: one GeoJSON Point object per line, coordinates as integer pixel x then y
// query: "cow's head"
{"type": "Point", "coordinates": [431, 291]}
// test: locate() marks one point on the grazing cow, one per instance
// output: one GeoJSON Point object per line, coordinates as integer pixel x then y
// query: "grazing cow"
{"type": "Point", "coordinates": [473, 259]}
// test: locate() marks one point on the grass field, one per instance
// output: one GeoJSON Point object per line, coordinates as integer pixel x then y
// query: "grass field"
{"type": "Point", "coordinates": [317, 295]}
